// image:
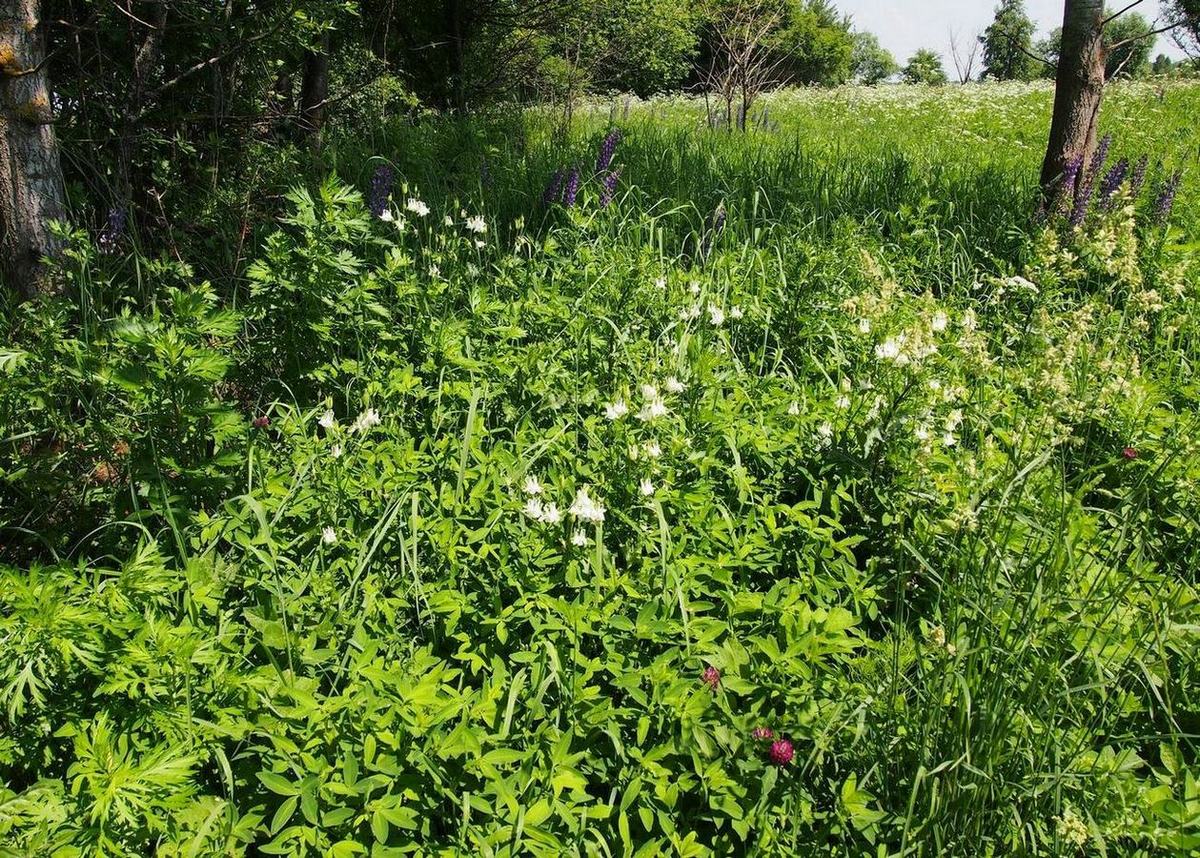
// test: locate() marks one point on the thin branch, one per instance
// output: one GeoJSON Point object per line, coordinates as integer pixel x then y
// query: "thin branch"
{"type": "Point", "coordinates": [1117, 15]}
{"type": "Point", "coordinates": [1028, 52]}
{"type": "Point", "coordinates": [1145, 35]}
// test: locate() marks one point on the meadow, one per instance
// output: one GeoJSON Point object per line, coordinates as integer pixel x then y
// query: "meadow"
{"type": "Point", "coordinates": [490, 487]}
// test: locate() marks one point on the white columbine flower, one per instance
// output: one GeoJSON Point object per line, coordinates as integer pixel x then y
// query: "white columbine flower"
{"type": "Point", "coordinates": [939, 322]}
{"type": "Point", "coordinates": [889, 349]}
{"type": "Point", "coordinates": [616, 410]}
{"type": "Point", "coordinates": [825, 433]}
{"type": "Point", "coordinates": [434, 271]}
{"type": "Point", "coordinates": [646, 487]}
{"type": "Point", "coordinates": [532, 486]}
{"type": "Point", "coordinates": [660, 283]}
{"type": "Point", "coordinates": [550, 514]}
{"type": "Point", "coordinates": [953, 420]}
{"type": "Point", "coordinates": [694, 287]}
{"type": "Point", "coordinates": [653, 451]}
{"type": "Point", "coordinates": [864, 326]}
{"type": "Point", "coordinates": [336, 451]}
{"type": "Point", "coordinates": [448, 221]}
{"type": "Point", "coordinates": [386, 216]}
{"type": "Point", "coordinates": [533, 509]}
{"type": "Point", "coordinates": [652, 410]}
{"type": "Point", "coordinates": [476, 224]}
{"type": "Point", "coordinates": [366, 420]}
{"type": "Point", "coordinates": [328, 535]}
{"type": "Point", "coordinates": [416, 207]}
{"type": "Point", "coordinates": [579, 538]}
{"type": "Point", "coordinates": [949, 440]}
{"type": "Point", "coordinates": [843, 402]}
{"type": "Point", "coordinates": [674, 385]}
{"type": "Point", "coordinates": [794, 409]}
{"type": "Point", "coordinates": [736, 312]}
{"type": "Point", "coordinates": [921, 433]}
{"type": "Point", "coordinates": [649, 391]}
{"type": "Point", "coordinates": [585, 508]}
{"type": "Point", "coordinates": [716, 315]}
{"type": "Point", "coordinates": [327, 420]}
{"type": "Point", "coordinates": [969, 322]}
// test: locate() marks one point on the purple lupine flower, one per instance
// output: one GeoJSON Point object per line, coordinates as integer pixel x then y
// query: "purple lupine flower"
{"type": "Point", "coordinates": [1165, 200]}
{"type": "Point", "coordinates": [608, 187]}
{"type": "Point", "coordinates": [381, 189]}
{"type": "Point", "coordinates": [571, 190]}
{"type": "Point", "coordinates": [1139, 176]}
{"type": "Point", "coordinates": [1083, 196]}
{"type": "Point", "coordinates": [553, 191]}
{"type": "Point", "coordinates": [114, 228]}
{"type": "Point", "coordinates": [1066, 186]}
{"type": "Point", "coordinates": [1099, 159]}
{"type": "Point", "coordinates": [1113, 180]}
{"type": "Point", "coordinates": [607, 148]}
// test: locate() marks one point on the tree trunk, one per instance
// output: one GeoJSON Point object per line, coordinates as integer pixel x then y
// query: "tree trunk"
{"type": "Point", "coordinates": [314, 91]}
{"type": "Point", "coordinates": [1079, 88]}
{"type": "Point", "coordinates": [145, 62]}
{"type": "Point", "coordinates": [31, 184]}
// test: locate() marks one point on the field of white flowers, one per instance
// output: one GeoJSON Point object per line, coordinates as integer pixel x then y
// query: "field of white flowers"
{"type": "Point", "coordinates": [648, 490]}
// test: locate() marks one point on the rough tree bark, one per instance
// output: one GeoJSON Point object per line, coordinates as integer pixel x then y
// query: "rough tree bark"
{"type": "Point", "coordinates": [314, 91]}
{"type": "Point", "coordinates": [31, 184]}
{"type": "Point", "coordinates": [1078, 90]}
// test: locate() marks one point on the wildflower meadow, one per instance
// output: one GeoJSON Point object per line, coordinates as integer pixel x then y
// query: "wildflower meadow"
{"type": "Point", "coordinates": [643, 488]}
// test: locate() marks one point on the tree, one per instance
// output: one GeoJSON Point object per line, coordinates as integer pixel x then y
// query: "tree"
{"type": "Point", "coordinates": [813, 44]}
{"type": "Point", "coordinates": [1078, 90]}
{"type": "Point", "coordinates": [742, 65]}
{"type": "Point", "coordinates": [1007, 43]}
{"type": "Point", "coordinates": [1128, 42]}
{"type": "Point", "coordinates": [1163, 65]}
{"type": "Point", "coordinates": [925, 66]}
{"type": "Point", "coordinates": [870, 62]}
{"type": "Point", "coordinates": [964, 56]}
{"type": "Point", "coordinates": [31, 185]}
{"type": "Point", "coordinates": [1087, 43]}
{"type": "Point", "coordinates": [1184, 18]}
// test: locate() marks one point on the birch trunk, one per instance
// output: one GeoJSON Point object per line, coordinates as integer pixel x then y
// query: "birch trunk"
{"type": "Point", "coordinates": [31, 184]}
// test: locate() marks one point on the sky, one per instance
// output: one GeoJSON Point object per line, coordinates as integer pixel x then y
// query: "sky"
{"type": "Point", "coordinates": [905, 25]}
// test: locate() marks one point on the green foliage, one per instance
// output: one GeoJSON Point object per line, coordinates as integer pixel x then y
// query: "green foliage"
{"type": "Point", "coordinates": [814, 44]}
{"type": "Point", "coordinates": [870, 470]}
{"type": "Point", "coordinates": [871, 63]}
{"type": "Point", "coordinates": [1008, 43]}
{"type": "Point", "coordinates": [1127, 45]}
{"type": "Point", "coordinates": [924, 67]}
